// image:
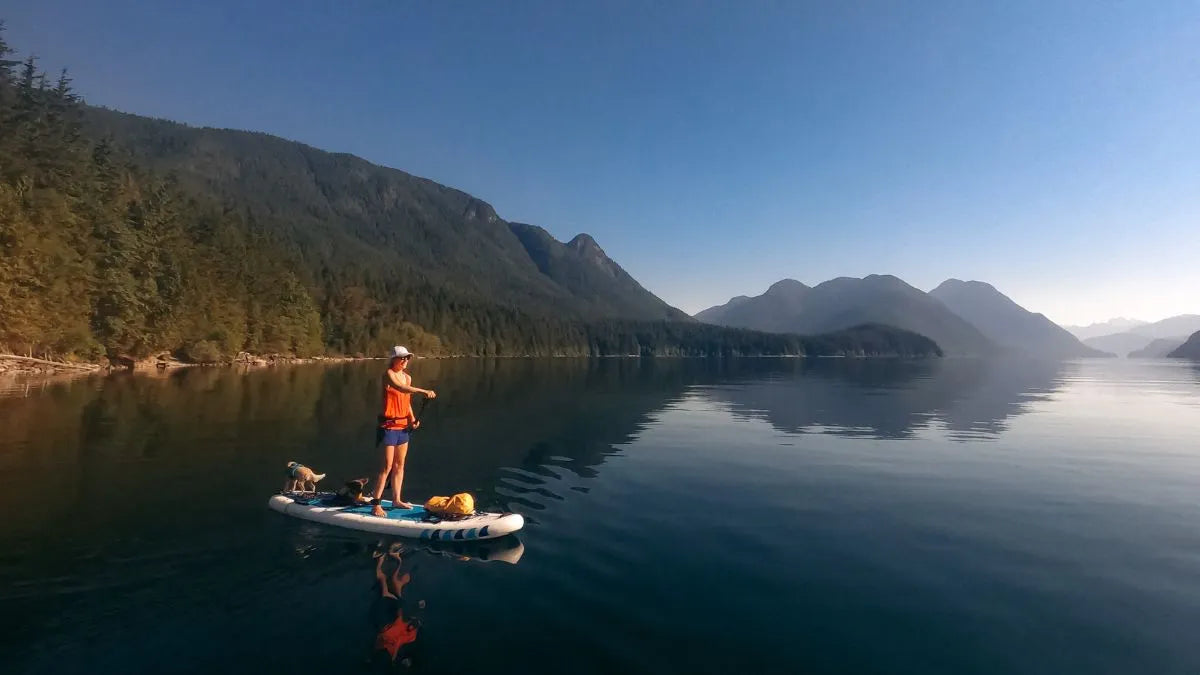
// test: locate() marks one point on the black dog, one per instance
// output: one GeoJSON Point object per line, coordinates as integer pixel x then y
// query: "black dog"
{"type": "Point", "coordinates": [351, 494]}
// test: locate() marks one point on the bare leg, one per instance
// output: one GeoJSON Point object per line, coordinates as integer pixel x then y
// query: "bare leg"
{"type": "Point", "coordinates": [382, 578]}
{"type": "Point", "coordinates": [389, 453]}
{"type": "Point", "coordinates": [399, 581]}
{"type": "Point", "coordinates": [398, 476]}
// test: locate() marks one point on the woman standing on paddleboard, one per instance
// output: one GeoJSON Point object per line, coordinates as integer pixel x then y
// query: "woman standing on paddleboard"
{"type": "Point", "coordinates": [395, 425]}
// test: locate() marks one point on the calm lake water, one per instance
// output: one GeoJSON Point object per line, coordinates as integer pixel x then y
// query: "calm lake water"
{"type": "Point", "coordinates": [767, 516]}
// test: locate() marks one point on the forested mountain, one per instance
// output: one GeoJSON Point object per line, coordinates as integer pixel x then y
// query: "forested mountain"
{"type": "Point", "coordinates": [1158, 348]}
{"type": "Point", "coordinates": [582, 268]}
{"type": "Point", "coordinates": [1119, 343]}
{"type": "Point", "coordinates": [371, 224]}
{"type": "Point", "coordinates": [1189, 349]}
{"type": "Point", "coordinates": [1008, 324]}
{"type": "Point", "coordinates": [845, 301]}
{"type": "Point", "coordinates": [122, 235]}
{"type": "Point", "coordinates": [775, 310]}
{"type": "Point", "coordinates": [98, 255]}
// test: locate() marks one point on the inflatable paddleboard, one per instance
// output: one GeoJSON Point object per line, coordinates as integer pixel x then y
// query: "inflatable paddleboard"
{"type": "Point", "coordinates": [414, 523]}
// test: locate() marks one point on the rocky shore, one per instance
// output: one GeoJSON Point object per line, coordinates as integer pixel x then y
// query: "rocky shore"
{"type": "Point", "coordinates": [12, 365]}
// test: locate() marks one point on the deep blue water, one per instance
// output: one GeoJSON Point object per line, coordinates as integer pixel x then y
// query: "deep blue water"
{"type": "Point", "coordinates": [769, 516]}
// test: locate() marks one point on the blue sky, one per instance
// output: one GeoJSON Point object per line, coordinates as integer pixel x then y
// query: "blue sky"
{"type": "Point", "coordinates": [712, 148]}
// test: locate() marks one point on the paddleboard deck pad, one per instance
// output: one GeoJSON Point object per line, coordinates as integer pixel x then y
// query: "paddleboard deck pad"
{"type": "Point", "coordinates": [414, 523]}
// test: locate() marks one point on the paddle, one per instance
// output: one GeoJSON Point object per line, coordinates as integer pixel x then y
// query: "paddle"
{"type": "Point", "coordinates": [420, 413]}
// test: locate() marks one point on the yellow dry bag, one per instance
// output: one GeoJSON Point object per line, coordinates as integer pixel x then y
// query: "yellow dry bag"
{"type": "Point", "coordinates": [461, 504]}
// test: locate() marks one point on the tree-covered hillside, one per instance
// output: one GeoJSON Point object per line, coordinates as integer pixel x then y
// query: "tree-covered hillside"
{"type": "Point", "coordinates": [366, 224]}
{"type": "Point", "coordinates": [99, 256]}
{"type": "Point", "coordinates": [124, 236]}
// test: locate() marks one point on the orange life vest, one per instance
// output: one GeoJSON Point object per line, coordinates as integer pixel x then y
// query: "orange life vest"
{"type": "Point", "coordinates": [397, 408]}
{"type": "Point", "coordinates": [395, 635]}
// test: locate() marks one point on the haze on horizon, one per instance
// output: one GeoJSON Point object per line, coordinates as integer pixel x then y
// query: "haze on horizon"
{"type": "Point", "coordinates": [1050, 150]}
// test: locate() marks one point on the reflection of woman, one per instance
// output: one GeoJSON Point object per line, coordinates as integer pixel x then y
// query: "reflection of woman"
{"type": "Point", "coordinates": [396, 633]}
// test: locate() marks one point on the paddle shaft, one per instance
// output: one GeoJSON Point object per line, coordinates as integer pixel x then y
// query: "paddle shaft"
{"type": "Point", "coordinates": [420, 412]}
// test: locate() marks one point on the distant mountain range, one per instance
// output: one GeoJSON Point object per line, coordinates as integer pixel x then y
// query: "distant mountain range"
{"type": "Point", "coordinates": [1141, 339]}
{"type": "Point", "coordinates": [1118, 325]}
{"type": "Point", "coordinates": [963, 317]}
{"type": "Point", "coordinates": [1120, 344]}
{"type": "Point", "coordinates": [791, 306]}
{"type": "Point", "coordinates": [1171, 327]}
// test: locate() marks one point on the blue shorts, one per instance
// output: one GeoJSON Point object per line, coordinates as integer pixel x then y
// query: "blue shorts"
{"type": "Point", "coordinates": [391, 436]}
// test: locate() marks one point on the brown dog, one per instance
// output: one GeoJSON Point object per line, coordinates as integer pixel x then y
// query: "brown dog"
{"type": "Point", "coordinates": [301, 478]}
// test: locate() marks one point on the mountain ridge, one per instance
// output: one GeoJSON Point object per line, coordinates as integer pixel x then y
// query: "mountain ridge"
{"type": "Point", "coordinates": [577, 265]}
{"type": "Point", "coordinates": [126, 236]}
{"type": "Point", "coordinates": [1172, 326]}
{"type": "Point", "coordinates": [347, 211]}
{"type": "Point", "coordinates": [1157, 349]}
{"type": "Point", "coordinates": [1168, 328]}
{"type": "Point", "coordinates": [791, 306]}
{"type": "Point", "coordinates": [1120, 344]}
{"type": "Point", "coordinates": [1140, 339]}
{"type": "Point", "coordinates": [1107, 327]}
{"type": "Point", "coordinates": [1007, 323]}
{"type": "Point", "coordinates": [1189, 349]}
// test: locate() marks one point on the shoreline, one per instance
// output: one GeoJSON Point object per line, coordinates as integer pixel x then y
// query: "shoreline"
{"type": "Point", "coordinates": [13, 365]}
{"type": "Point", "coordinates": [24, 367]}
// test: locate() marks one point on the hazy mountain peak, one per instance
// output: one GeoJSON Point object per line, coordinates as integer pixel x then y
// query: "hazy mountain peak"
{"type": "Point", "coordinates": [839, 303]}
{"type": "Point", "coordinates": [876, 281]}
{"type": "Point", "coordinates": [584, 243]}
{"type": "Point", "coordinates": [1007, 323]}
{"type": "Point", "coordinates": [1109, 327]}
{"type": "Point", "coordinates": [971, 285]}
{"type": "Point", "coordinates": [785, 287]}
{"type": "Point", "coordinates": [1182, 324]}
{"type": "Point", "coordinates": [1140, 334]}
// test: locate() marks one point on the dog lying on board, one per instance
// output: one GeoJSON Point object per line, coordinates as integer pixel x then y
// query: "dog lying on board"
{"type": "Point", "coordinates": [301, 478]}
{"type": "Point", "coordinates": [353, 493]}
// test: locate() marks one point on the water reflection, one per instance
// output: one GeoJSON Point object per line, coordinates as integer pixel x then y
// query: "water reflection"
{"type": "Point", "coordinates": [396, 616]}
{"type": "Point", "coordinates": [517, 433]}
{"type": "Point", "coordinates": [128, 498]}
{"type": "Point", "coordinates": [894, 399]}
{"type": "Point", "coordinates": [404, 573]}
